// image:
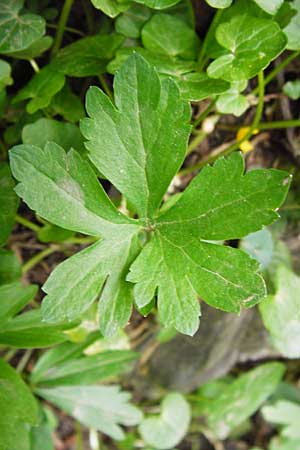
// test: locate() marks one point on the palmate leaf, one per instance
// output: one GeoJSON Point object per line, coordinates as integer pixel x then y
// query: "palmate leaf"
{"type": "Point", "coordinates": [139, 145]}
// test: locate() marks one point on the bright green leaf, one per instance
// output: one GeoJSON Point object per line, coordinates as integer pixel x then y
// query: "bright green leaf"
{"type": "Point", "coordinates": [270, 6]}
{"type": "Point", "coordinates": [292, 30]}
{"type": "Point", "coordinates": [13, 298]}
{"type": "Point", "coordinates": [240, 399]}
{"type": "Point", "coordinates": [286, 414]}
{"type": "Point", "coordinates": [281, 314]}
{"type": "Point", "coordinates": [158, 4]}
{"type": "Point", "coordinates": [140, 144]}
{"type": "Point", "coordinates": [67, 135]}
{"type": "Point", "coordinates": [9, 203]}
{"type": "Point", "coordinates": [198, 86]}
{"type": "Point", "coordinates": [100, 407]}
{"type": "Point", "coordinates": [18, 31]}
{"type": "Point", "coordinates": [52, 233]}
{"type": "Point", "coordinates": [219, 3]}
{"type": "Point", "coordinates": [260, 246]}
{"type": "Point", "coordinates": [251, 44]}
{"type": "Point", "coordinates": [231, 101]}
{"type": "Point", "coordinates": [5, 74]}
{"type": "Point", "coordinates": [292, 89]}
{"type": "Point", "coordinates": [10, 267]}
{"type": "Point", "coordinates": [167, 35]}
{"type": "Point", "coordinates": [168, 429]}
{"type": "Point", "coordinates": [36, 49]}
{"type": "Point", "coordinates": [111, 7]}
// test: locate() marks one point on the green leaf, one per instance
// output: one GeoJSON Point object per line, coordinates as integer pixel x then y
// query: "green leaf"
{"type": "Point", "coordinates": [140, 144]}
{"type": "Point", "coordinates": [219, 3]}
{"type": "Point", "coordinates": [87, 56]}
{"type": "Point", "coordinates": [292, 30]}
{"type": "Point", "coordinates": [131, 21]}
{"type": "Point", "coordinates": [29, 331]}
{"type": "Point", "coordinates": [18, 31]}
{"type": "Point", "coordinates": [52, 233]}
{"type": "Point", "coordinates": [111, 7]}
{"type": "Point", "coordinates": [35, 50]}
{"type": "Point", "coordinates": [10, 267]}
{"type": "Point", "coordinates": [282, 443]}
{"type": "Point", "coordinates": [286, 414]}
{"type": "Point", "coordinates": [281, 314]}
{"type": "Point", "coordinates": [18, 407]}
{"type": "Point", "coordinates": [231, 101]}
{"type": "Point", "coordinates": [13, 298]}
{"type": "Point", "coordinates": [88, 369]}
{"type": "Point", "coordinates": [77, 282]}
{"type": "Point", "coordinates": [67, 135]}
{"type": "Point", "coordinates": [40, 89]}
{"type": "Point", "coordinates": [5, 74]}
{"type": "Point", "coordinates": [292, 89]}
{"type": "Point", "coordinates": [270, 6]}
{"type": "Point", "coordinates": [9, 203]}
{"type": "Point", "coordinates": [251, 44]}
{"type": "Point", "coordinates": [68, 184]}
{"type": "Point", "coordinates": [198, 86]}
{"type": "Point", "coordinates": [260, 246]}
{"type": "Point", "coordinates": [240, 399]}
{"type": "Point", "coordinates": [68, 105]}
{"type": "Point", "coordinates": [168, 429]}
{"type": "Point", "coordinates": [168, 35]}
{"type": "Point", "coordinates": [158, 4]}
{"type": "Point", "coordinates": [100, 407]}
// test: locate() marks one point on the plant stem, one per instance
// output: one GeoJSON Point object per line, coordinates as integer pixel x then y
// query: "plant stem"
{"type": "Point", "coordinates": [278, 69]}
{"type": "Point", "coordinates": [34, 65]}
{"type": "Point", "coordinates": [27, 223]}
{"type": "Point", "coordinates": [61, 26]}
{"type": "Point", "coordinates": [70, 29]}
{"type": "Point", "coordinates": [202, 57]}
{"type": "Point", "coordinates": [39, 257]}
{"type": "Point", "coordinates": [204, 114]}
{"type": "Point", "coordinates": [231, 148]}
{"type": "Point", "coordinates": [79, 437]}
{"type": "Point", "coordinates": [105, 86]}
{"type": "Point", "coordinates": [196, 141]}
{"type": "Point", "coordinates": [88, 11]}
{"type": "Point", "coordinates": [277, 124]}
{"type": "Point", "coordinates": [24, 360]}
{"type": "Point", "coordinates": [10, 354]}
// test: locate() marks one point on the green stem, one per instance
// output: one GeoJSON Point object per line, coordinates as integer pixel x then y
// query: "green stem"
{"type": "Point", "coordinates": [61, 26]}
{"type": "Point", "coordinates": [70, 29]}
{"type": "Point", "coordinates": [27, 223]}
{"type": "Point", "coordinates": [105, 87]}
{"type": "Point", "coordinates": [88, 11]}
{"type": "Point", "coordinates": [204, 114]}
{"type": "Point", "coordinates": [34, 65]}
{"type": "Point", "coordinates": [231, 148]}
{"type": "Point", "coordinates": [24, 360]}
{"type": "Point", "coordinates": [38, 257]}
{"type": "Point", "coordinates": [10, 354]}
{"type": "Point", "coordinates": [202, 57]}
{"type": "Point", "coordinates": [196, 141]}
{"type": "Point", "coordinates": [79, 436]}
{"type": "Point", "coordinates": [277, 70]}
{"type": "Point", "coordinates": [277, 124]}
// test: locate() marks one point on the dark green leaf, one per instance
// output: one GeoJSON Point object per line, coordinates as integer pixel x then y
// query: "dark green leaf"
{"type": "Point", "coordinates": [9, 202]}
{"type": "Point", "coordinates": [10, 267]}
{"type": "Point", "coordinates": [13, 298]}
{"type": "Point", "coordinates": [131, 21]}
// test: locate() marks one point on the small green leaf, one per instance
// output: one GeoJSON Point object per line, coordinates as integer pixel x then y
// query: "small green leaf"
{"type": "Point", "coordinates": [281, 314]}
{"type": "Point", "coordinates": [286, 414]}
{"type": "Point", "coordinates": [10, 267]}
{"type": "Point", "coordinates": [111, 7]}
{"type": "Point", "coordinates": [251, 44]}
{"type": "Point", "coordinates": [40, 89]}
{"type": "Point", "coordinates": [231, 101]}
{"type": "Point", "coordinates": [282, 443]}
{"type": "Point", "coordinates": [131, 21]}
{"type": "Point", "coordinates": [19, 409]}
{"type": "Point", "coordinates": [158, 4]}
{"type": "Point", "coordinates": [219, 3]}
{"type": "Point", "coordinates": [35, 50]}
{"type": "Point", "coordinates": [5, 74]}
{"type": "Point", "coordinates": [240, 399]}
{"type": "Point", "coordinates": [18, 31]}
{"type": "Point", "coordinates": [100, 407]}
{"type": "Point", "coordinates": [198, 86]}
{"type": "Point", "coordinates": [67, 135]}
{"type": "Point", "coordinates": [88, 369]}
{"type": "Point", "coordinates": [168, 35]}
{"type": "Point", "coordinates": [292, 30]}
{"type": "Point", "coordinates": [9, 203]}
{"type": "Point", "coordinates": [270, 6]}
{"type": "Point", "coordinates": [13, 298]}
{"type": "Point", "coordinates": [168, 429]}
{"type": "Point", "coordinates": [87, 56]}
{"type": "Point", "coordinates": [292, 89]}
{"type": "Point", "coordinates": [260, 246]}
{"type": "Point", "coordinates": [140, 144]}
{"type": "Point", "coordinates": [68, 105]}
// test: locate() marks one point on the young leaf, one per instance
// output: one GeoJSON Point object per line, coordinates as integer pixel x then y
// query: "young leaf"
{"type": "Point", "coordinates": [292, 30]}
{"type": "Point", "coordinates": [100, 407]}
{"type": "Point", "coordinates": [168, 429]}
{"type": "Point", "coordinates": [292, 89]}
{"type": "Point", "coordinates": [67, 135]}
{"type": "Point", "coordinates": [281, 313]}
{"type": "Point", "coordinates": [243, 397]}
{"type": "Point", "coordinates": [270, 6]}
{"type": "Point", "coordinates": [40, 89]}
{"type": "Point", "coordinates": [18, 31]}
{"type": "Point", "coordinates": [88, 369]}
{"type": "Point", "coordinates": [168, 35]}
{"type": "Point", "coordinates": [231, 101]}
{"type": "Point", "coordinates": [20, 409]}
{"type": "Point", "coordinates": [65, 192]}
{"type": "Point", "coordinates": [284, 413]}
{"type": "Point", "coordinates": [219, 3]}
{"type": "Point", "coordinates": [140, 144]}
{"type": "Point", "coordinates": [251, 44]}
{"type": "Point", "coordinates": [9, 203]}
